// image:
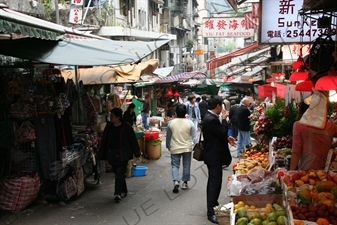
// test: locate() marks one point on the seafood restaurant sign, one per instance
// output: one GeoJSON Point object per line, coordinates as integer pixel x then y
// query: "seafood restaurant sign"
{"type": "Point", "coordinates": [282, 23]}
{"type": "Point", "coordinates": [225, 27]}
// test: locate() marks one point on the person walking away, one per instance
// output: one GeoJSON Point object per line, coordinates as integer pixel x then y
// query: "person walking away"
{"type": "Point", "coordinates": [243, 113]}
{"type": "Point", "coordinates": [203, 107]}
{"type": "Point", "coordinates": [233, 118]}
{"type": "Point", "coordinates": [118, 146]}
{"type": "Point", "coordinates": [145, 111]}
{"type": "Point", "coordinates": [181, 135]}
{"type": "Point", "coordinates": [129, 116]}
{"type": "Point", "coordinates": [193, 110]}
{"type": "Point", "coordinates": [217, 152]}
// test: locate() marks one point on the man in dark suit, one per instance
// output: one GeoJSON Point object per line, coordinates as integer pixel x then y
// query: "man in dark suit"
{"type": "Point", "coordinates": [217, 152]}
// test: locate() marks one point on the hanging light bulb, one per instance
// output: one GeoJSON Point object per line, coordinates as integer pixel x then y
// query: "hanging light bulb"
{"type": "Point", "coordinates": [176, 94]}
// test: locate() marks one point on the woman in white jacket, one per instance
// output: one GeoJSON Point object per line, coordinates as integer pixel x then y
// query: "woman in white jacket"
{"type": "Point", "coordinates": [181, 136]}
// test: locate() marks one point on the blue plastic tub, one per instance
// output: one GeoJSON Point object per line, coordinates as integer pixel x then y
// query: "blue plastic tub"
{"type": "Point", "coordinates": [139, 171]}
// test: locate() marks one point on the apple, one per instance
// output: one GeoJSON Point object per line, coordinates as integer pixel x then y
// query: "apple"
{"type": "Point", "coordinates": [299, 183]}
{"type": "Point", "coordinates": [302, 173]}
{"type": "Point", "coordinates": [295, 176]}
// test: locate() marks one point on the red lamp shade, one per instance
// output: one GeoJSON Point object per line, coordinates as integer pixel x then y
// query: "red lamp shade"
{"type": "Point", "coordinates": [305, 86]}
{"type": "Point", "coordinates": [169, 93]}
{"type": "Point", "coordinates": [279, 75]}
{"type": "Point", "coordinates": [176, 94]}
{"type": "Point", "coordinates": [299, 75]}
{"type": "Point", "coordinates": [328, 82]}
{"type": "Point", "coordinates": [298, 64]}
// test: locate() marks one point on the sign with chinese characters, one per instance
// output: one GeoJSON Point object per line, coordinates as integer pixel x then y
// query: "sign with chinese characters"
{"type": "Point", "coordinates": [76, 2]}
{"type": "Point", "coordinates": [75, 15]}
{"type": "Point", "coordinates": [291, 52]}
{"type": "Point", "coordinates": [225, 27]}
{"type": "Point", "coordinates": [281, 23]}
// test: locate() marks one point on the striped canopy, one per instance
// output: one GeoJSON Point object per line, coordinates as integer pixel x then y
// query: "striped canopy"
{"type": "Point", "coordinates": [181, 77]}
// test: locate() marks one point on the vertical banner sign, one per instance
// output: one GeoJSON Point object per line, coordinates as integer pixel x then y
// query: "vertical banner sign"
{"type": "Point", "coordinates": [75, 15]}
{"type": "Point", "coordinates": [282, 23]}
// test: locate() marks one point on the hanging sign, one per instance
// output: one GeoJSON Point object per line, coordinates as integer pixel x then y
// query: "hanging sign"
{"type": "Point", "coordinates": [226, 27]}
{"type": "Point", "coordinates": [281, 23]}
{"type": "Point", "coordinates": [75, 15]}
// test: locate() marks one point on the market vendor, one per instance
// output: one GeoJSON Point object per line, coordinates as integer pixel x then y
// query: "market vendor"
{"type": "Point", "coordinates": [313, 135]}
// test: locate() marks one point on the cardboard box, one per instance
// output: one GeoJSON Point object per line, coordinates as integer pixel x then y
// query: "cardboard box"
{"type": "Point", "coordinates": [258, 200]}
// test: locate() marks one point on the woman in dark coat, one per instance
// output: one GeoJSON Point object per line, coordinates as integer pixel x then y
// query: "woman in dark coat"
{"type": "Point", "coordinates": [118, 146]}
{"type": "Point", "coordinates": [129, 115]}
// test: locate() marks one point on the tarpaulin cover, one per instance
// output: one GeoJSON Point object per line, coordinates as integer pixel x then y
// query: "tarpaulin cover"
{"type": "Point", "coordinates": [110, 75]}
{"type": "Point", "coordinates": [181, 77]}
{"type": "Point", "coordinates": [80, 52]}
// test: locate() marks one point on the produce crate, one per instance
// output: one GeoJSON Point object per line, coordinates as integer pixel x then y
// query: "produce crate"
{"type": "Point", "coordinates": [258, 201]}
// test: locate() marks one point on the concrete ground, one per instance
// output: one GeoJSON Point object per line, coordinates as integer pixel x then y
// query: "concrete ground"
{"type": "Point", "coordinates": [150, 200]}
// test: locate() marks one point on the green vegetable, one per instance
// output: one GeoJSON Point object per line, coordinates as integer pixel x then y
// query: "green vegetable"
{"type": "Point", "coordinates": [265, 222]}
{"type": "Point", "coordinates": [272, 216]}
{"type": "Point", "coordinates": [280, 220]}
{"type": "Point", "coordinates": [242, 212]}
{"type": "Point", "coordinates": [256, 221]}
{"type": "Point", "coordinates": [280, 213]}
{"type": "Point", "coordinates": [242, 221]}
{"type": "Point", "coordinates": [277, 206]}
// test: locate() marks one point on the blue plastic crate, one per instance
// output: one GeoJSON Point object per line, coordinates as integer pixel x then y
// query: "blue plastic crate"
{"type": "Point", "coordinates": [139, 171]}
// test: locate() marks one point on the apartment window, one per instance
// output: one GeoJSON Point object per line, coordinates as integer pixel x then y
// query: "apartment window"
{"type": "Point", "coordinates": [123, 7]}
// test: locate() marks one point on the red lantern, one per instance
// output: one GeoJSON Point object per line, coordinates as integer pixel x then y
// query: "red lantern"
{"type": "Point", "coordinates": [298, 64]}
{"type": "Point", "coordinates": [176, 94]}
{"type": "Point", "coordinates": [328, 82]}
{"type": "Point", "coordinates": [305, 86]}
{"type": "Point", "coordinates": [169, 93]}
{"type": "Point", "coordinates": [299, 75]}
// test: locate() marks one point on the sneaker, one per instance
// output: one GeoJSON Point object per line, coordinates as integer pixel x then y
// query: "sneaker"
{"type": "Point", "coordinates": [184, 186]}
{"type": "Point", "coordinates": [117, 198]}
{"type": "Point", "coordinates": [124, 194]}
{"type": "Point", "coordinates": [176, 187]}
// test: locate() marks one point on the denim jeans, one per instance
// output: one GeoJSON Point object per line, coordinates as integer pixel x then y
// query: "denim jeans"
{"type": "Point", "coordinates": [195, 122]}
{"type": "Point", "coordinates": [243, 141]}
{"type": "Point", "coordinates": [144, 120]}
{"type": "Point", "coordinates": [175, 163]}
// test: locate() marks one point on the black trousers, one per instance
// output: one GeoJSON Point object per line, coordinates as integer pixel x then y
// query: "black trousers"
{"type": "Point", "coordinates": [213, 187]}
{"type": "Point", "coordinates": [120, 183]}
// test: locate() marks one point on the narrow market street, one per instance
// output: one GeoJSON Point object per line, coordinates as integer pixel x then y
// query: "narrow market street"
{"type": "Point", "coordinates": [150, 200]}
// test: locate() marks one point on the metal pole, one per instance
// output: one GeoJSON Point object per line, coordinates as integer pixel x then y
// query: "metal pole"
{"type": "Point", "coordinates": [86, 12]}
{"type": "Point", "coordinates": [79, 96]}
{"type": "Point", "coordinates": [57, 12]}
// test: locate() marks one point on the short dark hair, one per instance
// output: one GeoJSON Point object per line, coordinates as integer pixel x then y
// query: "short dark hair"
{"type": "Point", "coordinates": [131, 106]}
{"type": "Point", "coordinates": [190, 97]}
{"type": "Point", "coordinates": [233, 102]}
{"type": "Point", "coordinates": [181, 111]}
{"type": "Point", "coordinates": [214, 101]}
{"type": "Point", "coordinates": [117, 112]}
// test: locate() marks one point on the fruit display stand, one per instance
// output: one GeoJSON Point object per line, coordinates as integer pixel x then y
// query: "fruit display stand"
{"type": "Point", "coordinates": [310, 197]}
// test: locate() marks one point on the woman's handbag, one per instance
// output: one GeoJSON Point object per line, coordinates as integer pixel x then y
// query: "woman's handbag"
{"type": "Point", "coordinates": [198, 150]}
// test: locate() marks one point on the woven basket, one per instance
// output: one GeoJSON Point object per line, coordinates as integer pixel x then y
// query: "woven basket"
{"type": "Point", "coordinates": [223, 218]}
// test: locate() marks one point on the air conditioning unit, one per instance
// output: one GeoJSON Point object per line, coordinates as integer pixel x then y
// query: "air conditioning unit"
{"type": "Point", "coordinates": [160, 9]}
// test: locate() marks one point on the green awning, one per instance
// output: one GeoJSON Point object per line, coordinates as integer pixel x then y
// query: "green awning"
{"type": "Point", "coordinates": [22, 25]}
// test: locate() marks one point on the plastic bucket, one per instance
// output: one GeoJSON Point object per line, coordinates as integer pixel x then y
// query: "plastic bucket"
{"type": "Point", "coordinates": [151, 135]}
{"type": "Point", "coordinates": [153, 149]}
{"type": "Point", "coordinates": [139, 171]}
